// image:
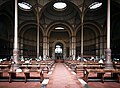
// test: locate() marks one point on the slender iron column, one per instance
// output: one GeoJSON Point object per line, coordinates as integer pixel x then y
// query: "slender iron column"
{"type": "Point", "coordinates": [82, 21]}
{"type": "Point", "coordinates": [38, 31]}
{"type": "Point", "coordinates": [82, 36]}
{"type": "Point", "coordinates": [108, 63]}
{"type": "Point", "coordinates": [16, 50]}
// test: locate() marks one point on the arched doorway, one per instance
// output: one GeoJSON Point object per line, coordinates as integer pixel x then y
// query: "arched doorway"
{"type": "Point", "coordinates": [59, 51]}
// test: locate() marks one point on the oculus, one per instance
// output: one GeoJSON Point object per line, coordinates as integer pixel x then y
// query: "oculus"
{"type": "Point", "coordinates": [95, 5]}
{"type": "Point", "coordinates": [59, 6]}
{"type": "Point", "coordinates": [25, 6]}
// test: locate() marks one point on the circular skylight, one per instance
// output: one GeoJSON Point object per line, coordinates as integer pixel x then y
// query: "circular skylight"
{"type": "Point", "coordinates": [25, 6]}
{"type": "Point", "coordinates": [59, 5]}
{"type": "Point", "coordinates": [95, 5]}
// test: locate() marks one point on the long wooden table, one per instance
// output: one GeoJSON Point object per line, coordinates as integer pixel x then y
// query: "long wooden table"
{"type": "Point", "coordinates": [100, 73]}
{"type": "Point", "coordinates": [12, 74]}
{"type": "Point", "coordinates": [83, 67]}
{"type": "Point", "coordinates": [3, 66]}
{"type": "Point", "coordinates": [29, 66]}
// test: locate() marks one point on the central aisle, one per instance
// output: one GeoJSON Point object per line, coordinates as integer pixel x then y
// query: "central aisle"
{"type": "Point", "coordinates": [62, 78]}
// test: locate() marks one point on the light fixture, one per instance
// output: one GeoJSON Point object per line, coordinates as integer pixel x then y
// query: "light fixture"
{"type": "Point", "coordinates": [59, 6]}
{"type": "Point", "coordinates": [95, 5]}
{"type": "Point", "coordinates": [59, 28]}
{"type": "Point", "coordinates": [25, 6]}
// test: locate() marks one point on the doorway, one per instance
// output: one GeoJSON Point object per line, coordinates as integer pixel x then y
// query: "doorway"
{"type": "Point", "coordinates": [59, 51]}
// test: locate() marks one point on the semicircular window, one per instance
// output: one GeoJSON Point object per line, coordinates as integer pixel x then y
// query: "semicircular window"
{"type": "Point", "coordinates": [59, 28]}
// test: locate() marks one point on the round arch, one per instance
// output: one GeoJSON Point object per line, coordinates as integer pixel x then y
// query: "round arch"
{"type": "Point", "coordinates": [53, 48]}
{"type": "Point", "coordinates": [6, 35]}
{"type": "Point", "coordinates": [24, 27]}
{"type": "Point", "coordinates": [10, 30]}
{"type": "Point", "coordinates": [59, 23]}
{"type": "Point", "coordinates": [96, 45]}
{"type": "Point", "coordinates": [92, 23]}
{"type": "Point", "coordinates": [26, 23]}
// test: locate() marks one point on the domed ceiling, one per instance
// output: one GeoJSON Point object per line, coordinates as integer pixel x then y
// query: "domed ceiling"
{"type": "Point", "coordinates": [48, 14]}
{"type": "Point", "coordinates": [71, 14]}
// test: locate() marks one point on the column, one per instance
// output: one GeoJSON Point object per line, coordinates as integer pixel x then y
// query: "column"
{"type": "Point", "coordinates": [38, 40]}
{"type": "Point", "coordinates": [38, 30]}
{"type": "Point", "coordinates": [38, 24]}
{"type": "Point", "coordinates": [97, 46]}
{"type": "Point", "coordinates": [101, 45]}
{"type": "Point", "coordinates": [44, 47]}
{"type": "Point", "coordinates": [16, 50]}
{"type": "Point", "coordinates": [108, 63]}
{"type": "Point", "coordinates": [48, 46]}
{"type": "Point", "coordinates": [73, 47]}
{"type": "Point", "coordinates": [53, 53]}
{"type": "Point", "coordinates": [82, 21]}
{"type": "Point", "coordinates": [64, 53]}
{"type": "Point", "coordinates": [82, 39]}
{"type": "Point", "coordinates": [21, 47]}
{"type": "Point", "coordinates": [70, 45]}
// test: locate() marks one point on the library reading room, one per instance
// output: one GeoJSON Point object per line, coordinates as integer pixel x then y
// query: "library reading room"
{"type": "Point", "coordinates": [59, 43]}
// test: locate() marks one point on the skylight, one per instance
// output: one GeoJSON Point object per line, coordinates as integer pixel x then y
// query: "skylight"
{"type": "Point", "coordinates": [60, 5]}
{"type": "Point", "coordinates": [25, 6]}
{"type": "Point", "coordinates": [95, 5]}
{"type": "Point", "coordinates": [59, 28]}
